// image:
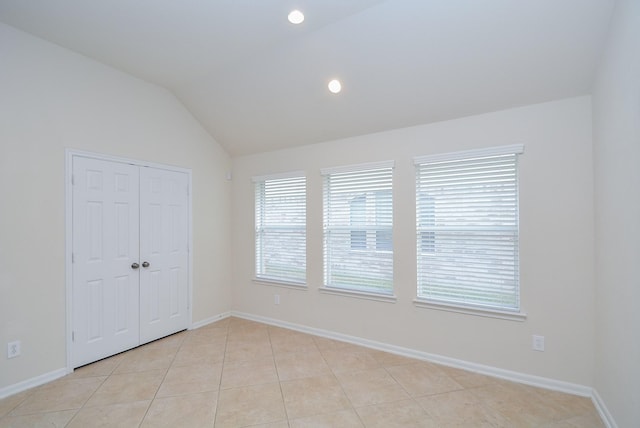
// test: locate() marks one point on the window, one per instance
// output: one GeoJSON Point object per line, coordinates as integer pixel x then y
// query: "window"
{"type": "Point", "coordinates": [358, 222]}
{"type": "Point", "coordinates": [281, 244]}
{"type": "Point", "coordinates": [467, 228]}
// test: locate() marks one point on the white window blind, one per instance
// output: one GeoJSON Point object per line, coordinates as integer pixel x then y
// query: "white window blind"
{"type": "Point", "coordinates": [281, 244]}
{"type": "Point", "coordinates": [358, 223]}
{"type": "Point", "coordinates": [467, 228]}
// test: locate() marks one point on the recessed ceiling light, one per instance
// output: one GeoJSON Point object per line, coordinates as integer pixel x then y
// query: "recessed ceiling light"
{"type": "Point", "coordinates": [296, 17]}
{"type": "Point", "coordinates": [335, 86]}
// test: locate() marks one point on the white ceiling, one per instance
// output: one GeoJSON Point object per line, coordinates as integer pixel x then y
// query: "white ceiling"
{"type": "Point", "coordinates": [258, 83]}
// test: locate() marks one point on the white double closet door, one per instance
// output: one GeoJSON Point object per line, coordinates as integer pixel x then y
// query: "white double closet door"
{"type": "Point", "coordinates": [130, 256]}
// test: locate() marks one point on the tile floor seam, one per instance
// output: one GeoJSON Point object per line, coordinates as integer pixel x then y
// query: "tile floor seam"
{"type": "Point", "coordinates": [344, 391]}
{"type": "Point", "coordinates": [484, 406]}
{"type": "Point", "coordinates": [72, 417]}
{"type": "Point", "coordinates": [333, 373]}
{"type": "Point", "coordinates": [103, 382]}
{"type": "Point", "coordinates": [155, 394]}
{"type": "Point", "coordinates": [219, 391]}
{"type": "Point", "coordinates": [284, 404]}
{"type": "Point", "coordinates": [397, 381]}
{"type": "Point", "coordinates": [87, 400]}
{"type": "Point", "coordinates": [30, 392]}
{"type": "Point", "coordinates": [6, 415]}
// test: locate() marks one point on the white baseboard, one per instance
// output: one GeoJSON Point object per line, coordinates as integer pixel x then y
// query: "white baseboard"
{"type": "Point", "coordinates": [210, 320]}
{"type": "Point", "coordinates": [33, 382]}
{"type": "Point", "coordinates": [541, 382]}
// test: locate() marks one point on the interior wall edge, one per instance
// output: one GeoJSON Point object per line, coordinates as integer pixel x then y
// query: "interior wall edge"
{"type": "Point", "coordinates": [602, 409]}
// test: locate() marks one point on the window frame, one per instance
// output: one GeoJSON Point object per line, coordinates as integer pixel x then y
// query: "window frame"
{"type": "Point", "coordinates": [369, 247]}
{"type": "Point", "coordinates": [469, 306]}
{"type": "Point", "coordinates": [261, 230]}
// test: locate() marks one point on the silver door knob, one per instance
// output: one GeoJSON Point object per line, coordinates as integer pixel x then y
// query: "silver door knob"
{"type": "Point", "coordinates": [145, 264]}
{"type": "Point", "coordinates": [135, 265]}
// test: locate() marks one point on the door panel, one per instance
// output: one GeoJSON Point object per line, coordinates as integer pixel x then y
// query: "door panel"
{"type": "Point", "coordinates": [164, 245]}
{"type": "Point", "coordinates": [105, 233]}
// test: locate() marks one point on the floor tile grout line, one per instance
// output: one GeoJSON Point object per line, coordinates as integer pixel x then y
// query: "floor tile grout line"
{"type": "Point", "coordinates": [30, 391]}
{"type": "Point", "coordinates": [333, 373]}
{"type": "Point", "coordinates": [8, 414]}
{"type": "Point", "coordinates": [92, 394]}
{"type": "Point", "coordinates": [349, 399]}
{"type": "Point", "coordinates": [46, 412]}
{"type": "Point", "coordinates": [284, 404]}
{"type": "Point", "coordinates": [160, 384]}
{"type": "Point", "coordinates": [224, 359]}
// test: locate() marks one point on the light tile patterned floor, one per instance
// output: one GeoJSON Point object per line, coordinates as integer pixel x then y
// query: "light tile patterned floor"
{"type": "Point", "coordinates": [237, 373]}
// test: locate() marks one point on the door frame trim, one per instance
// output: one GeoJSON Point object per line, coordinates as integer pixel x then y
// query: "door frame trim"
{"type": "Point", "coordinates": [68, 241]}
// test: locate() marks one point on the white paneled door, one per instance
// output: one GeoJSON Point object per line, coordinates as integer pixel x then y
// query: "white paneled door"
{"type": "Point", "coordinates": [129, 256]}
{"type": "Point", "coordinates": [163, 253]}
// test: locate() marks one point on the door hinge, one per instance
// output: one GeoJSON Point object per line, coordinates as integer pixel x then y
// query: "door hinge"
{"type": "Point", "coordinates": [73, 336]}
{"type": "Point", "coordinates": [73, 179]}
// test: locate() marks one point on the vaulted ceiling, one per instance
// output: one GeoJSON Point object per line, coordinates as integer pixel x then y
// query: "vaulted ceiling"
{"type": "Point", "coordinates": [258, 83]}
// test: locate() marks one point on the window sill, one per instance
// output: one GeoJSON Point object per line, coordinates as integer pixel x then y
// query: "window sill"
{"type": "Point", "coordinates": [471, 310]}
{"type": "Point", "coordinates": [281, 283]}
{"type": "Point", "coordinates": [387, 298]}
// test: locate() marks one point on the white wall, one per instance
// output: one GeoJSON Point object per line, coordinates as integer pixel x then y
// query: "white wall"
{"type": "Point", "coordinates": [52, 99]}
{"type": "Point", "coordinates": [616, 106]}
{"type": "Point", "coordinates": [557, 233]}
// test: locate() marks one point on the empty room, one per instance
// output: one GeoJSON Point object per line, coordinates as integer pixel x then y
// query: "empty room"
{"type": "Point", "coordinates": [338, 213]}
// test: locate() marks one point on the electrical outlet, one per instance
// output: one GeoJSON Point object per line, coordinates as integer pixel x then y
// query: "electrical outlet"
{"type": "Point", "coordinates": [276, 299]}
{"type": "Point", "coordinates": [13, 349]}
{"type": "Point", "coordinates": [537, 343]}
